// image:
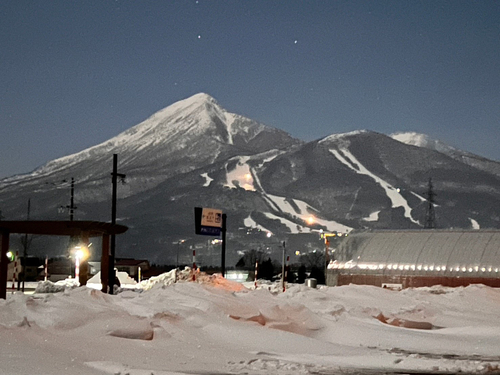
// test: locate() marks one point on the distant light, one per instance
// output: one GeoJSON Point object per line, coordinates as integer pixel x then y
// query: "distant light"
{"type": "Point", "coordinates": [297, 252]}
{"type": "Point", "coordinates": [269, 234]}
{"type": "Point", "coordinates": [310, 220]}
{"type": "Point", "coordinates": [81, 252]}
{"type": "Point", "coordinates": [248, 176]}
{"type": "Point", "coordinates": [398, 190]}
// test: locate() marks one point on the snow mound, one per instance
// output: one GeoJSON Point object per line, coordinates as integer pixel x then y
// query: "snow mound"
{"type": "Point", "coordinates": [59, 286]}
{"type": "Point", "coordinates": [293, 319]}
{"type": "Point", "coordinates": [190, 275]}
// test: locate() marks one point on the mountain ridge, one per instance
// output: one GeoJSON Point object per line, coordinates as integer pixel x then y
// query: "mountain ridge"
{"type": "Point", "coordinates": [196, 153]}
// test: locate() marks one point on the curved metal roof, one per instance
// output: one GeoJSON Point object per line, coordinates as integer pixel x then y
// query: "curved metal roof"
{"type": "Point", "coordinates": [421, 252]}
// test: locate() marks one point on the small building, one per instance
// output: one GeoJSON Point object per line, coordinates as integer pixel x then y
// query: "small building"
{"type": "Point", "coordinates": [416, 258]}
{"type": "Point", "coordinates": [132, 266]}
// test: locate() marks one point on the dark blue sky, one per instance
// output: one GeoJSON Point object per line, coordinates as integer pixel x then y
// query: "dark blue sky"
{"type": "Point", "coordinates": [76, 73]}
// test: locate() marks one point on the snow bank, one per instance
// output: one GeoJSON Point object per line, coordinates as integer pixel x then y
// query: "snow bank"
{"type": "Point", "coordinates": [58, 286]}
{"type": "Point", "coordinates": [212, 325]}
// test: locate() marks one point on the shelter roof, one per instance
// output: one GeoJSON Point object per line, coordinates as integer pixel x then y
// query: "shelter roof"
{"type": "Point", "coordinates": [63, 228]}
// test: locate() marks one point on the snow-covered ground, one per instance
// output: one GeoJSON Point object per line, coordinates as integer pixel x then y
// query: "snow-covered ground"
{"type": "Point", "coordinates": [214, 326]}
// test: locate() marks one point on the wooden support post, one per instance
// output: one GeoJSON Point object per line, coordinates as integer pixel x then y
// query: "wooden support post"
{"type": "Point", "coordinates": [84, 263]}
{"type": "Point", "coordinates": [105, 263]}
{"type": "Point", "coordinates": [4, 261]}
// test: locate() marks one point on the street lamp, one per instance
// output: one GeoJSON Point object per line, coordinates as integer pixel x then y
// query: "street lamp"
{"type": "Point", "coordinates": [81, 253]}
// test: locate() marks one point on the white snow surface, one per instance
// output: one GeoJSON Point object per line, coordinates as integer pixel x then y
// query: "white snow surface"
{"type": "Point", "coordinates": [292, 227]}
{"type": "Point", "coordinates": [348, 159]}
{"type": "Point", "coordinates": [335, 137]}
{"type": "Point", "coordinates": [251, 223]}
{"type": "Point", "coordinates": [411, 138]}
{"type": "Point", "coordinates": [474, 223]}
{"type": "Point", "coordinates": [240, 176]}
{"type": "Point", "coordinates": [423, 140]}
{"type": "Point", "coordinates": [372, 217]}
{"type": "Point", "coordinates": [208, 179]}
{"type": "Point", "coordinates": [305, 212]}
{"type": "Point", "coordinates": [213, 325]}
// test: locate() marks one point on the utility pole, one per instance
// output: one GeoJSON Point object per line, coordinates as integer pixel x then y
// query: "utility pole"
{"type": "Point", "coordinates": [223, 247]}
{"type": "Point", "coordinates": [26, 244]}
{"type": "Point", "coordinates": [430, 215]}
{"type": "Point", "coordinates": [72, 200]}
{"type": "Point", "coordinates": [71, 208]}
{"type": "Point", "coordinates": [115, 175]}
{"type": "Point", "coordinates": [283, 268]}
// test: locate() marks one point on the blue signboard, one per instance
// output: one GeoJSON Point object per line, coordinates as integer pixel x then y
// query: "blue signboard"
{"type": "Point", "coordinates": [208, 221]}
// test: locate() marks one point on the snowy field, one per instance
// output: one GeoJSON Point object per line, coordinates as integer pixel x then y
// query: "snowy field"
{"type": "Point", "coordinates": [215, 326]}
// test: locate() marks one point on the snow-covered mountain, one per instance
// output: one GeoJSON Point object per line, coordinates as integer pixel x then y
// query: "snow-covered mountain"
{"type": "Point", "coordinates": [422, 140]}
{"type": "Point", "coordinates": [177, 139]}
{"type": "Point", "coordinates": [195, 153]}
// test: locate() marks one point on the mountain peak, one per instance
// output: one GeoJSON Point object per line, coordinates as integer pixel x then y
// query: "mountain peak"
{"type": "Point", "coordinates": [200, 98]}
{"type": "Point", "coordinates": [422, 140]}
{"type": "Point", "coordinates": [412, 138]}
{"type": "Point", "coordinates": [335, 137]}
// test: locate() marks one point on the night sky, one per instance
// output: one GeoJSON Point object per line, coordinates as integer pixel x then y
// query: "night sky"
{"type": "Point", "coordinates": [76, 73]}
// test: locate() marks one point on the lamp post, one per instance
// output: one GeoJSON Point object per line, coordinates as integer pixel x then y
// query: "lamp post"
{"type": "Point", "coordinates": [283, 268]}
{"type": "Point", "coordinates": [77, 266]}
{"type": "Point", "coordinates": [81, 254]}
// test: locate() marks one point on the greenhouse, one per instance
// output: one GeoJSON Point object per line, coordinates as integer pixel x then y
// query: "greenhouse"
{"type": "Point", "coordinates": [408, 258]}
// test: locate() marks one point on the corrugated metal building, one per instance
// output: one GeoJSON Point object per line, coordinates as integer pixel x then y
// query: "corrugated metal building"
{"type": "Point", "coordinates": [414, 258]}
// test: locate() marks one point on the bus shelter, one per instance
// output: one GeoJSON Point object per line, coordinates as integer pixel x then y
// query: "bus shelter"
{"type": "Point", "coordinates": [83, 230]}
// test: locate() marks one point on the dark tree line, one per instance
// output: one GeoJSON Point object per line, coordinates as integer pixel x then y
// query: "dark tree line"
{"type": "Point", "coordinates": [296, 274]}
